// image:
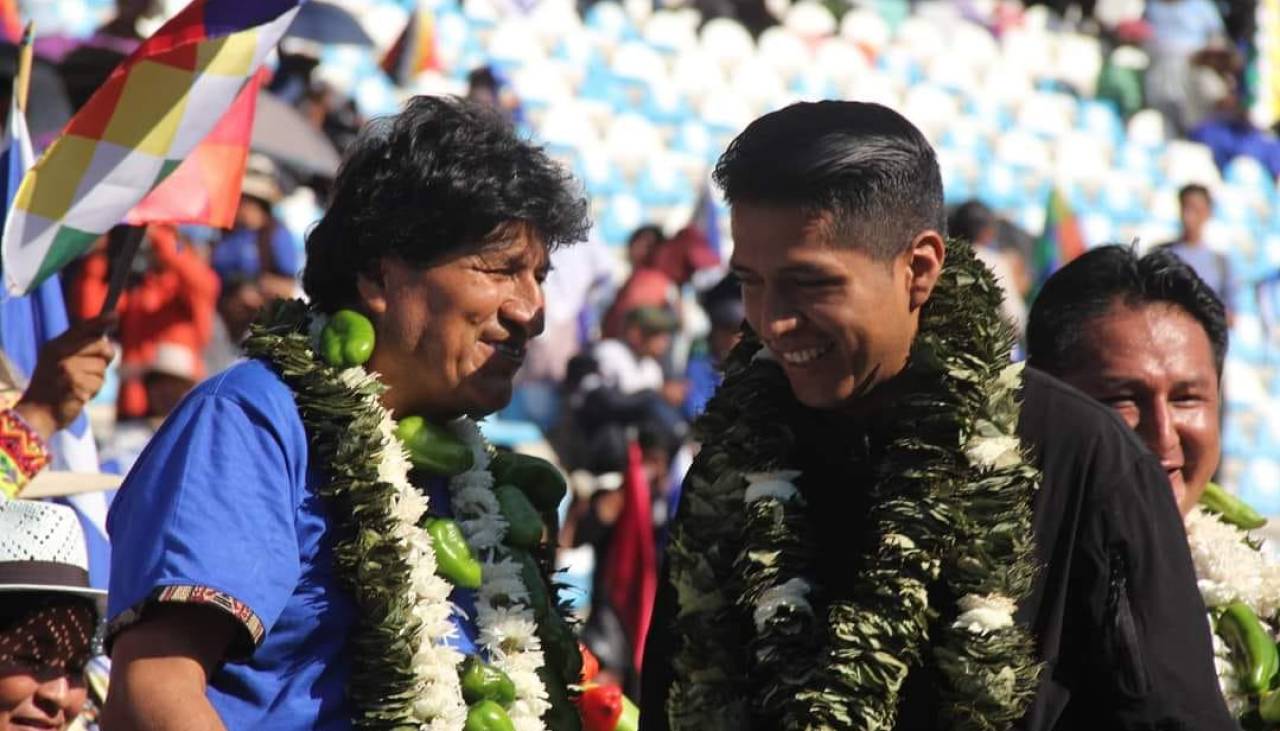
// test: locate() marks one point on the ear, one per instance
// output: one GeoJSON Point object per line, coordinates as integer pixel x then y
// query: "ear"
{"type": "Point", "coordinates": [372, 288]}
{"type": "Point", "coordinates": [924, 265]}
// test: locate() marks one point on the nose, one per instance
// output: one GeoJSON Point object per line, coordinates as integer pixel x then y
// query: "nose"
{"type": "Point", "coordinates": [777, 315]}
{"type": "Point", "coordinates": [525, 308]}
{"type": "Point", "coordinates": [1159, 430]}
{"type": "Point", "coordinates": [54, 690]}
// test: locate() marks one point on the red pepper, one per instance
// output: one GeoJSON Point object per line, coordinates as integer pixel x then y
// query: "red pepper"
{"type": "Point", "coordinates": [600, 706]}
{"type": "Point", "coordinates": [590, 664]}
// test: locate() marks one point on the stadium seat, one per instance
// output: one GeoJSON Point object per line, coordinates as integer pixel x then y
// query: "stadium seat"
{"type": "Point", "coordinates": [810, 20]}
{"type": "Point", "coordinates": [726, 42]}
{"type": "Point", "coordinates": [866, 29]}
{"type": "Point", "coordinates": [785, 52]}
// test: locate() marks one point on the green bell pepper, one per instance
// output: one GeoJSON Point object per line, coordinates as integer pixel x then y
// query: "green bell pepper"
{"type": "Point", "coordinates": [433, 448]}
{"type": "Point", "coordinates": [1251, 646]}
{"type": "Point", "coordinates": [524, 525]}
{"type": "Point", "coordinates": [453, 556]}
{"type": "Point", "coordinates": [1269, 706]}
{"type": "Point", "coordinates": [484, 682]}
{"type": "Point", "coordinates": [347, 339]}
{"type": "Point", "coordinates": [540, 480]}
{"type": "Point", "coordinates": [1231, 508]}
{"type": "Point", "coordinates": [488, 716]}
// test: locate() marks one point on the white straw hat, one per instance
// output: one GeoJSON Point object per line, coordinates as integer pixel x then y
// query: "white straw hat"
{"type": "Point", "coordinates": [42, 549]}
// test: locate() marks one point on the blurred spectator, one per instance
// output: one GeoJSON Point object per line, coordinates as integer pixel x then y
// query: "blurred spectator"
{"type": "Point", "coordinates": [238, 303]}
{"type": "Point", "coordinates": [723, 305]}
{"type": "Point", "coordinates": [1189, 53]}
{"type": "Point", "coordinates": [170, 297]}
{"type": "Point", "coordinates": [69, 371]}
{"type": "Point", "coordinates": [171, 373]}
{"type": "Point", "coordinates": [641, 245]}
{"type": "Point", "coordinates": [259, 246]}
{"type": "Point", "coordinates": [48, 616]}
{"type": "Point", "coordinates": [578, 277]}
{"type": "Point", "coordinates": [1197, 208]}
{"type": "Point", "coordinates": [974, 222]}
{"type": "Point", "coordinates": [669, 264]}
{"type": "Point", "coordinates": [486, 87]}
{"type": "Point", "coordinates": [632, 363]}
{"type": "Point", "coordinates": [1229, 133]}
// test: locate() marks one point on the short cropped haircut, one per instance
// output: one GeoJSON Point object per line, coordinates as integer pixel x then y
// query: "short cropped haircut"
{"type": "Point", "coordinates": [1104, 278]}
{"type": "Point", "coordinates": [862, 164]}
{"type": "Point", "coordinates": [441, 178]}
{"type": "Point", "coordinates": [1194, 189]}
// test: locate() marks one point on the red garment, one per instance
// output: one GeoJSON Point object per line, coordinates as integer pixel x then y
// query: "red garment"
{"type": "Point", "coordinates": [175, 302]}
{"type": "Point", "coordinates": [672, 264]}
{"type": "Point", "coordinates": [631, 571]}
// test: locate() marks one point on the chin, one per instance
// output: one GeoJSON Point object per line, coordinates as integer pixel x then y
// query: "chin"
{"type": "Point", "coordinates": [488, 401]}
{"type": "Point", "coordinates": [818, 395]}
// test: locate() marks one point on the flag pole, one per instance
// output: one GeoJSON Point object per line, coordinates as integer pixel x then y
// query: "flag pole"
{"type": "Point", "coordinates": [22, 81]}
{"type": "Point", "coordinates": [125, 240]}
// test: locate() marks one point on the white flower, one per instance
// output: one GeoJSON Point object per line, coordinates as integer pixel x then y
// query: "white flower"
{"type": "Point", "coordinates": [778, 485]}
{"type": "Point", "coordinates": [899, 541]}
{"type": "Point", "coordinates": [993, 452]}
{"type": "Point", "coordinates": [982, 614]}
{"type": "Point", "coordinates": [792, 593]}
{"type": "Point", "coordinates": [1228, 569]}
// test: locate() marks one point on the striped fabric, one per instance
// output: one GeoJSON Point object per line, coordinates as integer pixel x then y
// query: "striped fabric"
{"type": "Point", "coordinates": [153, 110]}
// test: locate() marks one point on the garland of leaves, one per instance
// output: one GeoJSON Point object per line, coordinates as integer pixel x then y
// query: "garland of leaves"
{"type": "Point", "coordinates": [950, 511]}
{"type": "Point", "coordinates": [404, 674]}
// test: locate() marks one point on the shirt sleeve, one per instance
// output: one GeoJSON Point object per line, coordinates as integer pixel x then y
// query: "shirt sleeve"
{"type": "Point", "coordinates": [1154, 657]}
{"type": "Point", "coordinates": [22, 453]}
{"type": "Point", "coordinates": [207, 516]}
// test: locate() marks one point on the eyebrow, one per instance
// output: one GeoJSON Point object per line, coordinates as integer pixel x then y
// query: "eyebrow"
{"type": "Point", "coordinates": [800, 268]}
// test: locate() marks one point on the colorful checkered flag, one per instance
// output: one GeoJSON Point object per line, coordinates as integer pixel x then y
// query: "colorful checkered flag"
{"type": "Point", "coordinates": [153, 110]}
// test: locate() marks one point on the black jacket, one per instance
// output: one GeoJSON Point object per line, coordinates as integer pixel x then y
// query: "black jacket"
{"type": "Point", "coordinates": [1115, 611]}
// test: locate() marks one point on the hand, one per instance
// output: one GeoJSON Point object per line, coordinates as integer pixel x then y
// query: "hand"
{"type": "Point", "coordinates": [69, 372]}
{"type": "Point", "coordinates": [674, 392]}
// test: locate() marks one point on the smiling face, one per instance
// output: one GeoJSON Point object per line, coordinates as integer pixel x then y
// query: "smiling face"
{"type": "Point", "coordinates": [1154, 365]}
{"type": "Point", "coordinates": [38, 701]}
{"type": "Point", "coordinates": [451, 337]}
{"type": "Point", "coordinates": [840, 320]}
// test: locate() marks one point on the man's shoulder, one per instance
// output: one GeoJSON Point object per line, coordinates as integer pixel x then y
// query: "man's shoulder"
{"type": "Point", "coordinates": [1057, 418]}
{"type": "Point", "coordinates": [253, 387]}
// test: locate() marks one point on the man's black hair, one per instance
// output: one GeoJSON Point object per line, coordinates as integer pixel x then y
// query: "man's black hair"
{"type": "Point", "coordinates": [439, 179]}
{"type": "Point", "coordinates": [1110, 276]}
{"type": "Point", "coordinates": [969, 220]}
{"type": "Point", "coordinates": [863, 164]}
{"type": "Point", "coordinates": [1194, 189]}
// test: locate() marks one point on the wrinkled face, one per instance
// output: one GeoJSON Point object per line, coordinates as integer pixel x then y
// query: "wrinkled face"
{"type": "Point", "coordinates": [451, 337]}
{"type": "Point", "coordinates": [839, 320]}
{"type": "Point", "coordinates": [43, 701]}
{"type": "Point", "coordinates": [1154, 365]}
{"type": "Point", "coordinates": [1196, 211]}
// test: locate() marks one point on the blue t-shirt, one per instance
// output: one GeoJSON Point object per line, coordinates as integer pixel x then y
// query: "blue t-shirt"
{"type": "Point", "coordinates": [221, 509]}
{"type": "Point", "coordinates": [236, 255]}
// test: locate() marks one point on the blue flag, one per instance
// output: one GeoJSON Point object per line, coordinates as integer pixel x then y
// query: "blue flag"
{"type": "Point", "coordinates": [26, 324]}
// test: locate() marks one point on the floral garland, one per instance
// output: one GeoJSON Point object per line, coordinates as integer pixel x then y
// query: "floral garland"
{"type": "Point", "coordinates": [508, 628]}
{"type": "Point", "coordinates": [1230, 567]}
{"type": "Point", "coordinates": [949, 509]}
{"type": "Point", "coordinates": [404, 673]}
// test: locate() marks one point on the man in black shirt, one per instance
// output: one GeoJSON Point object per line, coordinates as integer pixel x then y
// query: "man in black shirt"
{"type": "Point", "coordinates": [864, 517]}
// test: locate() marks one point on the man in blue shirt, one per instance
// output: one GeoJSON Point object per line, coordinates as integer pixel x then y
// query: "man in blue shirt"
{"type": "Point", "coordinates": [225, 609]}
{"type": "Point", "coordinates": [1196, 206]}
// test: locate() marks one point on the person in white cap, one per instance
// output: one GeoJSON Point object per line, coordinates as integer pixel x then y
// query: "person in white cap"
{"type": "Point", "coordinates": [48, 614]}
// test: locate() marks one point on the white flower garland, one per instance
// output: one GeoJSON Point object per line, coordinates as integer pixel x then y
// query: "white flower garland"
{"type": "Point", "coordinates": [1228, 569]}
{"type": "Point", "coordinates": [508, 628]}
{"type": "Point", "coordinates": [439, 705]}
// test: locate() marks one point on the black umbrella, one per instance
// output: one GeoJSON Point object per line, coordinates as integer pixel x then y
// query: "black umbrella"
{"type": "Point", "coordinates": [327, 24]}
{"type": "Point", "coordinates": [280, 132]}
